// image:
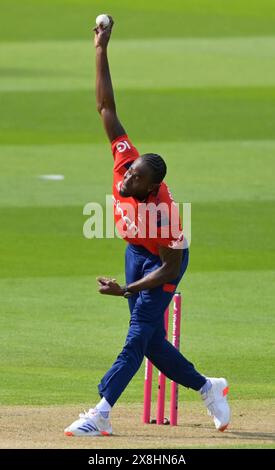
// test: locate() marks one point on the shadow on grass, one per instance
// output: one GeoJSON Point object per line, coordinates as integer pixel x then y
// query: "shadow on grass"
{"type": "Point", "coordinates": [270, 436]}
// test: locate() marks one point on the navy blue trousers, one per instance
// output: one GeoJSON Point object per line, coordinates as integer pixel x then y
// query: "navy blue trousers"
{"type": "Point", "coordinates": [146, 335]}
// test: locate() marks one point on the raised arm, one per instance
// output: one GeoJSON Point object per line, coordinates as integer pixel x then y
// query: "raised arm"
{"type": "Point", "coordinates": [105, 100]}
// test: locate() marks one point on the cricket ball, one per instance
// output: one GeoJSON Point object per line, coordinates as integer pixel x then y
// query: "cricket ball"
{"type": "Point", "coordinates": [102, 20]}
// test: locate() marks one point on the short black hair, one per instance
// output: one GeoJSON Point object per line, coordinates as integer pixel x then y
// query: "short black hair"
{"type": "Point", "coordinates": [157, 166]}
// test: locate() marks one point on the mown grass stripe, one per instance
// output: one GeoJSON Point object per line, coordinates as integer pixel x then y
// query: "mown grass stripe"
{"type": "Point", "coordinates": [166, 115]}
{"type": "Point", "coordinates": [189, 63]}
{"type": "Point", "coordinates": [49, 241]}
{"type": "Point", "coordinates": [197, 172]}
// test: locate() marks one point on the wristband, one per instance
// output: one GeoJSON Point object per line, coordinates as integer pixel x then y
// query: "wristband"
{"type": "Point", "coordinates": [127, 293]}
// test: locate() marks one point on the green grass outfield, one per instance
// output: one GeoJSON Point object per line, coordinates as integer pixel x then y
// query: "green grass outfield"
{"type": "Point", "coordinates": [198, 87]}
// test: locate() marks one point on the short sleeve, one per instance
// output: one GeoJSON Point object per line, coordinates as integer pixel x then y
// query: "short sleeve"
{"type": "Point", "coordinates": [124, 153]}
{"type": "Point", "coordinates": [169, 227]}
{"type": "Point", "coordinates": [170, 234]}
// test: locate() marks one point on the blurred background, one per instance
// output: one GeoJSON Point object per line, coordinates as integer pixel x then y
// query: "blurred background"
{"type": "Point", "coordinates": [195, 82]}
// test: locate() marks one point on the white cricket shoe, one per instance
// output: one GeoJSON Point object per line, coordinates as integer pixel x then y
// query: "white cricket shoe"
{"type": "Point", "coordinates": [91, 423]}
{"type": "Point", "coordinates": [216, 403]}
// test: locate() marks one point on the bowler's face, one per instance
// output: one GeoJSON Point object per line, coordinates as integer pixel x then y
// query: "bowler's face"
{"type": "Point", "coordinates": [137, 181]}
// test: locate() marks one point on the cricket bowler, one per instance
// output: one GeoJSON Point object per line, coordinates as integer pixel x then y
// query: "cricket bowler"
{"type": "Point", "coordinates": [155, 262]}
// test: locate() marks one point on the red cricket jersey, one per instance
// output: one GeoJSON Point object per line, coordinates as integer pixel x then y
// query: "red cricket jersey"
{"type": "Point", "coordinates": [151, 223]}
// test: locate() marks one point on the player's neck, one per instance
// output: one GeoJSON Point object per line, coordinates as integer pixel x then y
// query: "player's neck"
{"type": "Point", "coordinates": [146, 197]}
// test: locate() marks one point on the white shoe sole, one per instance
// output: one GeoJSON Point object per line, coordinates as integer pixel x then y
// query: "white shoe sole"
{"type": "Point", "coordinates": [225, 393]}
{"type": "Point", "coordinates": [87, 434]}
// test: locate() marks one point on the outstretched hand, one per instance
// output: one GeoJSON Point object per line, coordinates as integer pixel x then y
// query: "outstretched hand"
{"type": "Point", "coordinates": [109, 286]}
{"type": "Point", "coordinates": [102, 35]}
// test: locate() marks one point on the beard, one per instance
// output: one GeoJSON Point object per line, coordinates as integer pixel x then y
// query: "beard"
{"type": "Point", "coordinates": [124, 193]}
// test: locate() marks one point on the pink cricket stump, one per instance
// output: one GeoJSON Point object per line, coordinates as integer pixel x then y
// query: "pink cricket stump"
{"type": "Point", "coordinates": [147, 391]}
{"type": "Point", "coordinates": [176, 343]}
{"type": "Point", "coordinates": [162, 380]}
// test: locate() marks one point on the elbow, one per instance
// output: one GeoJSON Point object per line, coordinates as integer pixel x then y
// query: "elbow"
{"type": "Point", "coordinates": [99, 107]}
{"type": "Point", "coordinates": [175, 273]}
{"type": "Point", "coordinates": [171, 273]}
{"type": "Point", "coordinates": [102, 106]}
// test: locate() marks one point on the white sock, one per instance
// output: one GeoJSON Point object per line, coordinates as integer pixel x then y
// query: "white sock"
{"type": "Point", "coordinates": [104, 408]}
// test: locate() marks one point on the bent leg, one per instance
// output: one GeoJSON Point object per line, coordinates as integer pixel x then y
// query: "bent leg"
{"type": "Point", "coordinates": [174, 365]}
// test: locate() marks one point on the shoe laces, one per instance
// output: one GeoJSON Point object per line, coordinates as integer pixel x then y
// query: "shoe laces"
{"type": "Point", "coordinates": [88, 414]}
{"type": "Point", "coordinates": [210, 410]}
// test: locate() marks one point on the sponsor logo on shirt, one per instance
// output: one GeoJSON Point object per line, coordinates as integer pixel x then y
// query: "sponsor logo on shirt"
{"type": "Point", "coordinates": [180, 243]}
{"type": "Point", "coordinates": [122, 146]}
